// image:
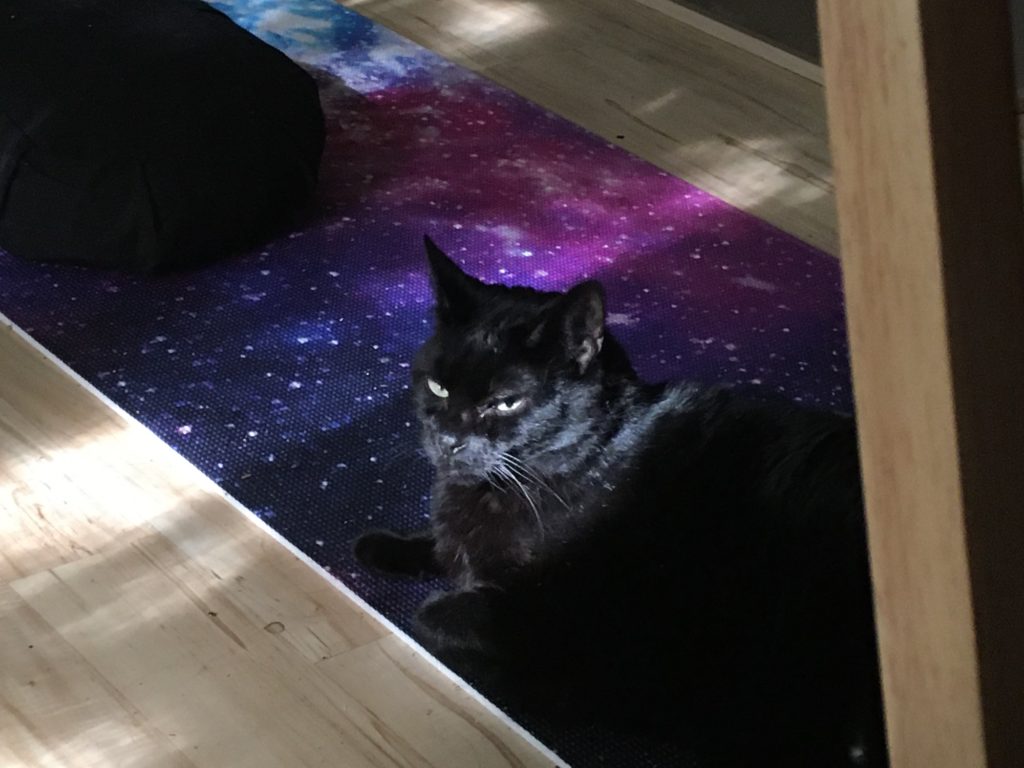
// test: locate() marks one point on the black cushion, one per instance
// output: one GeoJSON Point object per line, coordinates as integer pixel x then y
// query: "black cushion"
{"type": "Point", "coordinates": [146, 133]}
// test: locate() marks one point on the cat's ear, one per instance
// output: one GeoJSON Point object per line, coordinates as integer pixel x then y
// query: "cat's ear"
{"type": "Point", "coordinates": [457, 296]}
{"type": "Point", "coordinates": [582, 322]}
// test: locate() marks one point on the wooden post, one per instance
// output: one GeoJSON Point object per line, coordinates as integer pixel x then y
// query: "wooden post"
{"type": "Point", "coordinates": [921, 109]}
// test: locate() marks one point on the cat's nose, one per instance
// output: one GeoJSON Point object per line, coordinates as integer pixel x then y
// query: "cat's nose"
{"type": "Point", "coordinates": [452, 445]}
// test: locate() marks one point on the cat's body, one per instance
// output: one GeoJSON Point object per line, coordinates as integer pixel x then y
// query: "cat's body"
{"type": "Point", "coordinates": [666, 557]}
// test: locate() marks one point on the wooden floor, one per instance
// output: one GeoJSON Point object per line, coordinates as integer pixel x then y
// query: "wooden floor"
{"type": "Point", "coordinates": [144, 621]}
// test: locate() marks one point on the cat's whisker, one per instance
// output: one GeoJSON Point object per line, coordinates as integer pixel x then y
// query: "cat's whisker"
{"type": "Point", "coordinates": [492, 481]}
{"type": "Point", "coordinates": [506, 472]}
{"type": "Point", "coordinates": [529, 478]}
{"type": "Point", "coordinates": [499, 480]}
{"type": "Point", "coordinates": [531, 475]}
{"type": "Point", "coordinates": [502, 473]}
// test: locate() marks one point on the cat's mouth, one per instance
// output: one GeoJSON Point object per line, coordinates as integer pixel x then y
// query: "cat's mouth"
{"type": "Point", "coordinates": [464, 472]}
{"type": "Point", "coordinates": [455, 470]}
{"type": "Point", "coordinates": [461, 464]}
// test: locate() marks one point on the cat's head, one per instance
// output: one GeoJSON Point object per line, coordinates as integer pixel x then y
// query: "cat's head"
{"type": "Point", "coordinates": [508, 370]}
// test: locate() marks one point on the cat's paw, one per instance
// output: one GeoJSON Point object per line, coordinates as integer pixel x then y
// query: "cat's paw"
{"type": "Point", "coordinates": [456, 622]}
{"type": "Point", "coordinates": [395, 554]}
{"type": "Point", "coordinates": [375, 549]}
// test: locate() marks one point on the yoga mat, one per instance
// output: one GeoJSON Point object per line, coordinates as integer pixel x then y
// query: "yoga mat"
{"type": "Point", "coordinates": [283, 373]}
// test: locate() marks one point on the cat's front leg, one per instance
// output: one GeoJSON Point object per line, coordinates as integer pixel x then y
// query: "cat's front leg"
{"type": "Point", "coordinates": [410, 554]}
{"type": "Point", "coordinates": [459, 622]}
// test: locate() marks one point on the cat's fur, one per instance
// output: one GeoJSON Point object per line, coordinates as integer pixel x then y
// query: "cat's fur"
{"type": "Point", "coordinates": [659, 556]}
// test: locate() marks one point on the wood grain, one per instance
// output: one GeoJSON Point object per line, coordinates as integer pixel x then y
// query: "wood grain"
{"type": "Point", "coordinates": [923, 127]}
{"type": "Point", "coordinates": [735, 37]}
{"type": "Point", "coordinates": [145, 621]}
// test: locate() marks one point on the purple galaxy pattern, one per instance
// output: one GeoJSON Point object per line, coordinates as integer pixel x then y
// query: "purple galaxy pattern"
{"type": "Point", "coordinates": [283, 373]}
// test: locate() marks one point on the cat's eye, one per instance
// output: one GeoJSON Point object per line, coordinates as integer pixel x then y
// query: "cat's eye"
{"type": "Point", "coordinates": [436, 389]}
{"type": "Point", "coordinates": [510, 404]}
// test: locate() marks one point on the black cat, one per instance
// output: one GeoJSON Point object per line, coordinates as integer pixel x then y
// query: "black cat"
{"type": "Point", "coordinates": [671, 557]}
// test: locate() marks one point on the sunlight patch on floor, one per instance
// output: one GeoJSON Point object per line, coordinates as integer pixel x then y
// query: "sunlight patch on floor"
{"type": "Point", "coordinates": [499, 21]}
{"type": "Point", "coordinates": [482, 22]}
{"type": "Point", "coordinates": [767, 167]}
{"type": "Point", "coordinates": [106, 472]}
